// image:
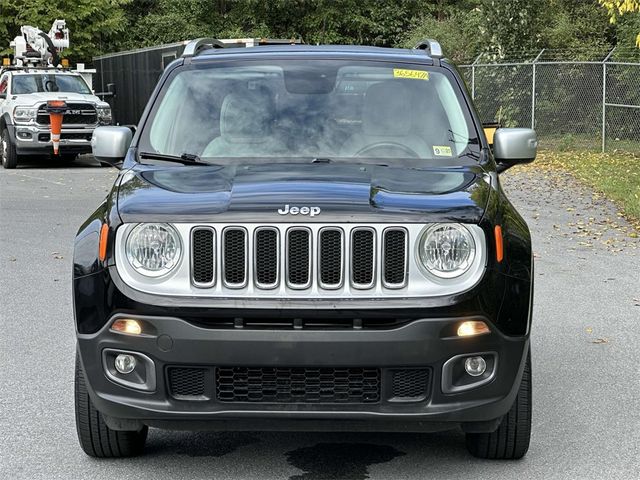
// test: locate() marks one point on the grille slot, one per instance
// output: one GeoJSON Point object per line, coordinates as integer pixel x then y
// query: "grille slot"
{"type": "Point", "coordinates": [234, 257]}
{"type": "Point", "coordinates": [203, 257]}
{"type": "Point", "coordinates": [394, 254]}
{"type": "Point", "coordinates": [83, 114]}
{"type": "Point", "coordinates": [411, 385]}
{"type": "Point", "coordinates": [297, 385]}
{"type": "Point", "coordinates": [331, 258]}
{"type": "Point", "coordinates": [298, 258]}
{"type": "Point", "coordinates": [187, 382]}
{"type": "Point", "coordinates": [363, 258]}
{"type": "Point", "coordinates": [266, 257]}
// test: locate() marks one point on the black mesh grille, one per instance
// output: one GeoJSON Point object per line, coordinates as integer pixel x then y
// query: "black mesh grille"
{"type": "Point", "coordinates": [234, 256]}
{"type": "Point", "coordinates": [362, 257]}
{"type": "Point", "coordinates": [203, 256]}
{"type": "Point", "coordinates": [298, 257]}
{"type": "Point", "coordinates": [411, 383]}
{"type": "Point", "coordinates": [45, 137]}
{"type": "Point", "coordinates": [331, 257]}
{"type": "Point", "coordinates": [84, 114]}
{"type": "Point", "coordinates": [394, 257]}
{"type": "Point", "coordinates": [186, 382]}
{"type": "Point", "coordinates": [266, 261]}
{"type": "Point", "coordinates": [297, 385]}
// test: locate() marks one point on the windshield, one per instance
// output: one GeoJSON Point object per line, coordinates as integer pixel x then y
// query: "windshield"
{"type": "Point", "coordinates": [326, 109]}
{"type": "Point", "coordinates": [48, 82]}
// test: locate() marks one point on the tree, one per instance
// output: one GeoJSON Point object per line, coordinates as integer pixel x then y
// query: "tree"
{"type": "Point", "coordinates": [95, 26]}
{"type": "Point", "coordinates": [617, 8]}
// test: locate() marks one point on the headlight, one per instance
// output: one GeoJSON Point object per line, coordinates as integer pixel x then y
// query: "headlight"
{"type": "Point", "coordinates": [23, 114]}
{"type": "Point", "coordinates": [104, 115]}
{"type": "Point", "coordinates": [153, 249]}
{"type": "Point", "coordinates": [447, 250]}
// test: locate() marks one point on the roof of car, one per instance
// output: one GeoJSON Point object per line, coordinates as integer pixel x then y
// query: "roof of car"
{"type": "Point", "coordinates": [321, 51]}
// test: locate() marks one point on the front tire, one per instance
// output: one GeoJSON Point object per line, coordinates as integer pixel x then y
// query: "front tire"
{"type": "Point", "coordinates": [511, 440]}
{"type": "Point", "coordinates": [96, 438]}
{"type": "Point", "coordinates": [8, 151]}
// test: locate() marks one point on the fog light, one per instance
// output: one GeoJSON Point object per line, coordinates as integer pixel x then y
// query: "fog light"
{"type": "Point", "coordinates": [468, 329]}
{"type": "Point", "coordinates": [125, 363]}
{"type": "Point", "coordinates": [127, 325]}
{"type": "Point", "coordinates": [475, 366]}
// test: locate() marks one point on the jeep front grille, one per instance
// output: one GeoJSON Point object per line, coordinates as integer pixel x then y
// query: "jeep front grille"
{"type": "Point", "coordinates": [308, 260]}
{"type": "Point", "coordinates": [310, 265]}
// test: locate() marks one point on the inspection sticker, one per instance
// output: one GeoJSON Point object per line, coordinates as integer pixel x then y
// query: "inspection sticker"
{"type": "Point", "coordinates": [441, 151]}
{"type": "Point", "coordinates": [414, 74]}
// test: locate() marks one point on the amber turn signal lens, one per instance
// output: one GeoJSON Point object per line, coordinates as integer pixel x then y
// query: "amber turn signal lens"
{"type": "Point", "coordinates": [127, 325]}
{"type": "Point", "coordinates": [102, 246]}
{"type": "Point", "coordinates": [471, 328]}
{"type": "Point", "coordinates": [64, 62]}
{"type": "Point", "coordinates": [499, 246]}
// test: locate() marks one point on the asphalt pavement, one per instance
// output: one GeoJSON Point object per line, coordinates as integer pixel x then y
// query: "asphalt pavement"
{"type": "Point", "coordinates": [586, 418]}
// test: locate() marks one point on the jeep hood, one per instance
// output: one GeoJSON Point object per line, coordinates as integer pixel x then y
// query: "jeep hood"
{"type": "Point", "coordinates": [347, 193]}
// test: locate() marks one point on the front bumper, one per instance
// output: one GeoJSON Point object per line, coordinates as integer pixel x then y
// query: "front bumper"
{"type": "Point", "coordinates": [33, 139]}
{"type": "Point", "coordinates": [421, 344]}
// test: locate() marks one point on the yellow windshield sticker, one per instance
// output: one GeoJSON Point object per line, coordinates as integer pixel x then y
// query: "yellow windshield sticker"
{"type": "Point", "coordinates": [414, 74]}
{"type": "Point", "coordinates": [441, 151]}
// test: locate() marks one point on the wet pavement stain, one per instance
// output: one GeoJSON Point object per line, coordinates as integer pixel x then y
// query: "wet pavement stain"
{"type": "Point", "coordinates": [349, 461]}
{"type": "Point", "coordinates": [210, 444]}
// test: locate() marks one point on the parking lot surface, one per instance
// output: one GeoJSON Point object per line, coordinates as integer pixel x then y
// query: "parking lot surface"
{"type": "Point", "coordinates": [586, 334]}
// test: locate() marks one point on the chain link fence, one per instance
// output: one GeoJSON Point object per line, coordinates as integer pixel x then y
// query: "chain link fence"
{"type": "Point", "coordinates": [593, 105]}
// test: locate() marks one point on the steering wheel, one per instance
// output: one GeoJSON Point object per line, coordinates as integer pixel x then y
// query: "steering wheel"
{"type": "Point", "coordinates": [398, 146]}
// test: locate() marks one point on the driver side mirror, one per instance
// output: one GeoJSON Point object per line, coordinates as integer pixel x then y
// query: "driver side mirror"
{"type": "Point", "coordinates": [110, 144]}
{"type": "Point", "coordinates": [513, 146]}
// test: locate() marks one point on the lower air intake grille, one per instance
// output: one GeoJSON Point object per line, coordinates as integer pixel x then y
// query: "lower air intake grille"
{"type": "Point", "coordinates": [297, 385]}
{"type": "Point", "coordinates": [187, 382]}
{"type": "Point", "coordinates": [411, 384]}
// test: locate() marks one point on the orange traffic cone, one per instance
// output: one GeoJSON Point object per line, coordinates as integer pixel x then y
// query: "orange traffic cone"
{"type": "Point", "coordinates": [56, 109]}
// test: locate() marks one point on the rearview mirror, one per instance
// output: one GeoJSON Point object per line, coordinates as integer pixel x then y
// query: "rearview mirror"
{"type": "Point", "coordinates": [512, 146]}
{"type": "Point", "coordinates": [110, 144]}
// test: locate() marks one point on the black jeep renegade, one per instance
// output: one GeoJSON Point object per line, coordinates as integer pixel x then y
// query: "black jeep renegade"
{"type": "Point", "coordinates": [306, 238]}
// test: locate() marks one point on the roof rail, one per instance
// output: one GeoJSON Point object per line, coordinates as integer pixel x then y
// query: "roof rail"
{"type": "Point", "coordinates": [432, 47]}
{"type": "Point", "coordinates": [194, 46]}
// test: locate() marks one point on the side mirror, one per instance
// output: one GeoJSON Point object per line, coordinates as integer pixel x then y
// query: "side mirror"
{"type": "Point", "coordinates": [3, 96]}
{"type": "Point", "coordinates": [110, 144]}
{"type": "Point", "coordinates": [512, 146]}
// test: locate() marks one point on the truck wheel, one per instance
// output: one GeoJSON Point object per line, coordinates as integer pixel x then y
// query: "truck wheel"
{"type": "Point", "coordinates": [511, 440]}
{"type": "Point", "coordinates": [96, 438]}
{"type": "Point", "coordinates": [9, 155]}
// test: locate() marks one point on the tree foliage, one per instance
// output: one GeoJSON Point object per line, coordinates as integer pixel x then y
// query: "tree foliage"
{"type": "Point", "coordinates": [617, 8]}
{"type": "Point", "coordinates": [464, 27]}
{"type": "Point", "coordinates": [96, 25]}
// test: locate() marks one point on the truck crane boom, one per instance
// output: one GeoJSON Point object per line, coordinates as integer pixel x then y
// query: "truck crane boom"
{"type": "Point", "coordinates": [35, 48]}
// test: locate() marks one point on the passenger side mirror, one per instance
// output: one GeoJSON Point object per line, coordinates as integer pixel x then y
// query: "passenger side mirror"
{"type": "Point", "coordinates": [513, 146]}
{"type": "Point", "coordinates": [110, 144]}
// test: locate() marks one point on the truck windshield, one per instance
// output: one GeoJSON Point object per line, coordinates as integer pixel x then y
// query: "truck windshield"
{"type": "Point", "coordinates": [320, 109]}
{"type": "Point", "coordinates": [48, 82]}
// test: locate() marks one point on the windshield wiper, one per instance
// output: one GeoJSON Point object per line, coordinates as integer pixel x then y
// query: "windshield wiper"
{"type": "Point", "coordinates": [185, 158]}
